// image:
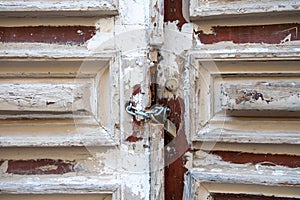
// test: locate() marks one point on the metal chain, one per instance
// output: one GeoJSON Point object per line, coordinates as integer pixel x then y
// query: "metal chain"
{"type": "Point", "coordinates": [153, 112]}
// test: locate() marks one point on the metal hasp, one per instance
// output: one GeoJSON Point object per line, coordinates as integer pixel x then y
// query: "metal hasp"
{"type": "Point", "coordinates": [157, 114]}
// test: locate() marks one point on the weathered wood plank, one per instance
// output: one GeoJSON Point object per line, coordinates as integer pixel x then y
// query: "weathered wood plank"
{"type": "Point", "coordinates": [45, 96]}
{"type": "Point", "coordinates": [211, 168]}
{"type": "Point", "coordinates": [57, 8]}
{"type": "Point", "coordinates": [44, 51]}
{"type": "Point", "coordinates": [58, 185]}
{"type": "Point", "coordinates": [203, 9]}
{"type": "Point", "coordinates": [246, 52]}
{"type": "Point", "coordinates": [157, 161]}
{"type": "Point", "coordinates": [261, 96]}
{"type": "Point", "coordinates": [54, 132]}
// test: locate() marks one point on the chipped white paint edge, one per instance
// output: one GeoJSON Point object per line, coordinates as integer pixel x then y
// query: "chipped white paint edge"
{"type": "Point", "coordinates": [57, 8]}
{"type": "Point", "coordinates": [100, 138]}
{"type": "Point", "coordinates": [157, 162]}
{"type": "Point", "coordinates": [157, 22]}
{"type": "Point", "coordinates": [212, 10]}
{"type": "Point", "coordinates": [209, 167]}
{"type": "Point", "coordinates": [209, 126]}
{"type": "Point", "coordinates": [51, 51]}
{"type": "Point", "coordinates": [229, 51]}
{"type": "Point", "coordinates": [60, 185]}
{"type": "Point", "coordinates": [211, 170]}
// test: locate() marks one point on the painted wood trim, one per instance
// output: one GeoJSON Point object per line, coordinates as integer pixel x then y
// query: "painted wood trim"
{"type": "Point", "coordinates": [157, 22]}
{"type": "Point", "coordinates": [69, 8]}
{"type": "Point", "coordinates": [60, 185]}
{"type": "Point", "coordinates": [42, 51]}
{"type": "Point", "coordinates": [157, 162]}
{"type": "Point", "coordinates": [204, 10]}
{"type": "Point", "coordinates": [222, 52]}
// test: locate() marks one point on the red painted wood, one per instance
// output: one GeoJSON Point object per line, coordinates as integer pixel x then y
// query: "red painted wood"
{"type": "Point", "coordinates": [221, 196]}
{"type": "Point", "coordinates": [174, 155]}
{"type": "Point", "coordinates": [173, 12]}
{"type": "Point", "coordinates": [39, 167]}
{"type": "Point", "coordinates": [269, 34]}
{"type": "Point", "coordinates": [292, 161]}
{"type": "Point", "coordinates": [47, 34]}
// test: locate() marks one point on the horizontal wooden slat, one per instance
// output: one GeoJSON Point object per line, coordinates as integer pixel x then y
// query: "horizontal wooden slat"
{"type": "Point", "coordinates": [58, 185]}
{"type": "Point", "coordinates": [247, 177]}
{"type": "Point", "coordinates": [247, 52]}
{"type": "Point", "coordinates": [54, 132]}
{"type": "Point", "coordinates": [43, 51]}
{"type": "Point", "coordinates": [203, 10]}
{"type": "Point", "coordinates": [44, 96]}
{"type": "Point", "coordinates": [56, 196]}
{"type": "Point", "coordinates": [55, 8]}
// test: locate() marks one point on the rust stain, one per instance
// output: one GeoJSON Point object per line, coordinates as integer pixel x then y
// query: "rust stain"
{"type": "Point", "coordinates": [248, 95]}
{"type": "Point", "coordinates": [47, 34]}
{"type": "Point", "coordinates": [173, 12]}
{"type": "Point", "coordinates": [136, 89]}
{"type": "Point", "coordinates": [133, 138]}
{"type": "Point", "coordinates": [291, 161]}
{"type": "Point", "coordinates": [269, 34]}
{"type": "Point", "coordinates": [223, 196]}
{"type": "Point", "coordinates": [174, 158]}
{"type": "Point", "coordinates": [39, 167]}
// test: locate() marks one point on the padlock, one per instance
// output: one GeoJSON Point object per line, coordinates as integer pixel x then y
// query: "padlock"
{"type": "Point", "coordinates": [170, 127]}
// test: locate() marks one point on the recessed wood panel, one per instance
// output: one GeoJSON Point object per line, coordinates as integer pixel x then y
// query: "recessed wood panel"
{"type": "Point", "coordinates": [263, 96]}
{"type": "Point", "coordinates": [247, 101]}
{"type": "Point", "coordinates": [57, 102]}
{"type": "Point", "coordinates": [44, 96]}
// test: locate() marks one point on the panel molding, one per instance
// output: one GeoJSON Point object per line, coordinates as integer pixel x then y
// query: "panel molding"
{"type": "Point", "coordinates": [89, 124]}
{"type": "Point", "coordinates": [214, 124]}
